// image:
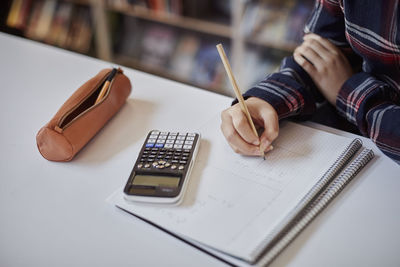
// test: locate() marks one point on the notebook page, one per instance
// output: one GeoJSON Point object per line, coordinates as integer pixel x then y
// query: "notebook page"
{"type": "Point", "coordinates": [233, 202]}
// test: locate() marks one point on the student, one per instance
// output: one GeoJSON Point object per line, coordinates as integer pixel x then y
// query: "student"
{"type": "Point", "coordinates": [338, 32]}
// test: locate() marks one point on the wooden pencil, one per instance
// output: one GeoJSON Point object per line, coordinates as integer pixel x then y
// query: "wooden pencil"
{"type": "Point", "coordinates": [238, 94]}
{"type": "Point", "coordinates": [106, 84]}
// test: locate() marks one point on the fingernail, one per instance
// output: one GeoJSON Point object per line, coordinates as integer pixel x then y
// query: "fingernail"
{"type": "Point", "coordinates": [265, 144]}
{"type": "Point", "coordinates": [256, 143]}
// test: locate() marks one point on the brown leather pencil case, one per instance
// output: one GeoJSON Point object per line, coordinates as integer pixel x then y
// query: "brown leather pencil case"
{"type": "Point", "coordinates": [80, 117]}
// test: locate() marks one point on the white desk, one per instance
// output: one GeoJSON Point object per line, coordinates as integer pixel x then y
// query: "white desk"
{"type": "Point", "coordinates": [55, 214]}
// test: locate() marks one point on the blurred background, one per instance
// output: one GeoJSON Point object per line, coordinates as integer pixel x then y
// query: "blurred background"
{"type": "Point", "coordinates": [174, 39]}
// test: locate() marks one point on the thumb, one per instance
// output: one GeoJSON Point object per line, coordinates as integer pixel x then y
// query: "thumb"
{"type": "Point", "coordinates": [271, 128]}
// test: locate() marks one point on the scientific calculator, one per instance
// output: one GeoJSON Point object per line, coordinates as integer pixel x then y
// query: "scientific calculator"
{"type": "Point", "coordinates": [162, 170]}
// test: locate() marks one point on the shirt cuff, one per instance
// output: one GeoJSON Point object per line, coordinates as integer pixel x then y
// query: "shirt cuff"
{"type": "Point", "coordinates": [284, 94]}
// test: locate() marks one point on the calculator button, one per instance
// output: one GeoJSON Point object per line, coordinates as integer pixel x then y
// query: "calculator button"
{"type": "Point", "coordinates": [167, 164]}
{"type": "Point", "coordinates": [161, 162]}
{"type": "Point", "coordinates": [151, 140]}
{"type": "Point", "coordinates": [155, 164]}
{"type": "Point", "coordinates": [178, 150]}
{"type": "Point", "coordinates": [191, 134]}
{"type": "Point", "coordinates": [154, 149]}
{"type": "Point", "coordinates": [190, 138]}
{"type": "Point", "coordinates": [173, 133]}
{"type": "Point", "coordinates": [142, 160]}
{"type": "Point", "coordinates": [184, 158]}
{"type": "Point", "coordinates": [153, 153]}
{"type": "Point", "coordinates": [186, 150]}
{"type": "Point", "coordinates": [168, 157]}
{"type": "Point", "coordinates": [181, 167]}
{"type": "Point", "coordinates": [153, 136]}
{"type": "Point", "coordinates": [170, 141]}
{"type": "Point", "coordinates": [162, 137]}
{"type": "Point", "coordinates": [150, 160]}
{"type": "Point", "coordinates": [182, 161]}
{"type": "Point", "coordinates": [164, 133]}
{"type": "Point", "coordinates": [168, 145]}
{"type": "Point", "coordinates": [180, 138]}
{"type": "Point", "coordinates": [188, 142]}
{"type": "Point", "coordinates": [160, 156]}
{"type": "Point", "coordinates": [177, 146]}
{"type": "Point", "coordinates": [149, 145]}
{"type": "Point", "coordinates": [140, 165]}
{"type": "Point", "coordinates": [159, 145]}
{"type": "Point", "coordinates": [161, 141]}
{"type": "Point", "coordinates": [176, 157]}
{"type": "Point", "coordinates": [173, 167]}
{"type": "Point", "coordinates": [187, 146]}
{"type": "Point", "coordinates": [179, 142]}
{"type": "Point", "coordinates": [147, 165]}
{"type": "Point", "coordinates": [174, 161]}
{"type": "Point", "coordinates": [155, 132]}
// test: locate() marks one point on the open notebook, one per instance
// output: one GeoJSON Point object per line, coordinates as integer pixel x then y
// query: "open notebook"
{"type": "Point", "coordinates": [246, 210]}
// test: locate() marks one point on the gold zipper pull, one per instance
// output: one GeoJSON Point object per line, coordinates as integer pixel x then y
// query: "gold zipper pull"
{"type": "Point", "coordinates": [58, 129]}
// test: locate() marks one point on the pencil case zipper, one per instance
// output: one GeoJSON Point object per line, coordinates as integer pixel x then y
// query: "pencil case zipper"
{"type": "Point", "coordinates": [60, 127]}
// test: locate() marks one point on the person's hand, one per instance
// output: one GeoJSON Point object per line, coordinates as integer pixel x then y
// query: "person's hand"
{"type": "Point", "coordinates": [325, 63]}
{"type": "Point", "coordinates": [237, 130]}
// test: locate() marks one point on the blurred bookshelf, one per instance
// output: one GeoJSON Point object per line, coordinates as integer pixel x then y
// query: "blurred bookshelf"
{"type": "Point", "coordinates": [174, 39]}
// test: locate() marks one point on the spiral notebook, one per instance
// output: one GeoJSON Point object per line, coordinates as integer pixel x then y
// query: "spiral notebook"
{"type": "Point", "coordinates": [246, 210]}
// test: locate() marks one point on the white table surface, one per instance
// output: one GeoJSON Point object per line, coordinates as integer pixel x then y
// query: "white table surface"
{"type": "Point", "coordinates": [55, 214]}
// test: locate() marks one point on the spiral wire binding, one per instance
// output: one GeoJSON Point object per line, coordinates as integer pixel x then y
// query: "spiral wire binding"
{"type": "Point", "coordinates": [319, 204]}
{"type": "Point", "coordinates": [299, 209]}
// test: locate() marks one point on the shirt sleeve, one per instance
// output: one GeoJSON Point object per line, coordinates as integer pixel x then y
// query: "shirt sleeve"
{"type": "Point", "coordinates": [373, 106]}
{"type": "Point", "coordinates": [291, 91]}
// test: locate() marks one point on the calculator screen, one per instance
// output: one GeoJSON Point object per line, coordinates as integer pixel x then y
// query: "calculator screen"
{"type": "Point", "coordinates": [156, 180]}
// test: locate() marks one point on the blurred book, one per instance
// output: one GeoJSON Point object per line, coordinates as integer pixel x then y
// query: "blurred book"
{"type": "Point", "coordinates": [182, 62]}
{"type": "Point", "coordinates": [19, 14]}
{"type": "Point", "coordinates": [208, 70]}
{"type": "Point", "coordinates": [59, 30]}
{"type": "Point", "coordinates": [159, 6]}
{"type": "Point", "coordinates": [158, 44]}
{"type": "Point", "coordinates": [80, 31]}
{"type": "Point", "coordinates": [59, 23]}
{"type": "Point", "coordinates": [276, 22]}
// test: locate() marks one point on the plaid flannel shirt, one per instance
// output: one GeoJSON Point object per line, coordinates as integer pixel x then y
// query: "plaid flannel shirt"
{"type": "Point", "coordinates": [367, 31]}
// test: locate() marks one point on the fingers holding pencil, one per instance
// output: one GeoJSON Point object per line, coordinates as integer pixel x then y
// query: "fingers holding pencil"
{"type": "Point", "coordinates": [239, 135]}
{"type": "Point", "coordinates": [237, 121]}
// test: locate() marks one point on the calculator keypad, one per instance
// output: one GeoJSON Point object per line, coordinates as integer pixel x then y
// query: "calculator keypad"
{"type": "Point", "coordinates": [167, 150]}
